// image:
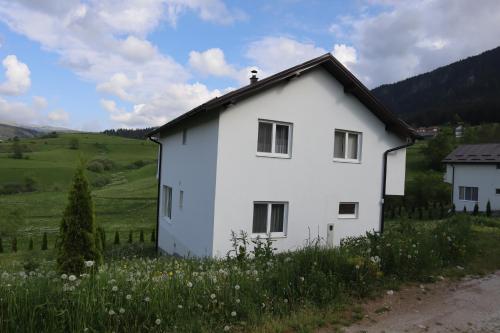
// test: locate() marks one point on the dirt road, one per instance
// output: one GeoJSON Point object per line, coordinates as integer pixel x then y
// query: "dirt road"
{"type": "Point", "coordinates": [469, 305]}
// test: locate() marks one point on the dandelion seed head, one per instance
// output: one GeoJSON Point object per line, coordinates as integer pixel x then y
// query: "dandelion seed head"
{"type": "Point", "coordinates": [158, 321]}
{"type": "Point", "coordinates": [233, 314]}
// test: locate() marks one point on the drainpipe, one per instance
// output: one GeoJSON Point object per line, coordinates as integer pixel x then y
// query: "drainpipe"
{"type": "Point", "coordinates": [453, 185]}
{"type": "Point", "coordinates": [384, 178]}
{"type": "Point", "coordinates": [159, 188]}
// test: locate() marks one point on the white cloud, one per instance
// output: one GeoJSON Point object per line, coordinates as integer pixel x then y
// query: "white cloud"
{"type": "Point", "coordinates": [208, 10]}
{"type": "Point", "coordinates": [58, 116]}
{"type": "Point", "coordinates": [40, 102]}
{"type": "Point", "coordinates": [17, 112]}
{"type": "Point", "coordinates": [273, 54]}
{"type": "Point", "coordinates": [17, 76]}
{"type": "Point", "coordinates": [211, 62]}
{"type": "Point", "coordinates": [137, 49]}
{"type": "Point", "coordinates": [345, 54]}
{"type": "Point", "coordinates": [408, 37]}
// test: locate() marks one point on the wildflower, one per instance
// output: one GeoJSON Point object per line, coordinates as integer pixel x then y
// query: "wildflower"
{"type": "Point", "coordinates": [233, 314]}
{"type": "Point", "coordinates": [64, 276]}
{"type": "Point", "coordinates": [128, 297]}
{"type": "Point", "coordinates": [122, 310]}
{"type": "Point", "coordinates": [390, 292]}
{"type": "Point", "coordinates": [285, 300]}
{"type": "Point", "coordinates": [302, 279]}
{"type": "Point", "coordinates": [72, 278]}
{"type": "Point", "coordinates": [89, 263]}
{"type": "Point", "coordinates": [190, 284]}
{"type": "Point", "coordinates": [357, 266]}
{"type": "Point", "coordinates": [238, 301]}
{"type": "Point", "coordinates": [212, 296]}
{"type": "Point", "coordinates": [111, 312]}
{"type": "Point", "coordinates": [158, 321]}
{"type": "Point", "coordinates": [147, 299]}
{"type": "Point", "coordinates": [115, 288]}
{"type": "Point", "coordinates": [226, 328]}
{"type": "Point", "coordinates": [237, 287]}
{"type": "Point", "coordinates": [179, 306]}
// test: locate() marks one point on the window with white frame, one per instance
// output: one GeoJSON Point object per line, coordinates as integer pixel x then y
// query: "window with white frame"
{"type": "Point", "coordinates": [467, 193]}
{"type": "Point", "coordinates": [274, 138]}
{"type": "Point", "coordinates": [497, 191]}
{"type": "Point", "coordinates": [347, 146]}
{"type": "Point", "coordinates": [270, 218]}
{"type": "Point", "coordinates": [167, 201]}
{"type": "Point", "coordinates": [348, 210]}
{"type": "Point", "coordinates": [181, 199]}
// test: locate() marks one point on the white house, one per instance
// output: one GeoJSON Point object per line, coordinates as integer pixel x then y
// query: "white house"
{"type": "Point", "coordinates": [474, 172]}
{"type": "Point", "coordinates": [300, 155]}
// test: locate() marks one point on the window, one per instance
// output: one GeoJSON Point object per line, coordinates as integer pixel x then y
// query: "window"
{"type": "Point", "coordinates": [348, 210]}
{"type": "Point", "coordinates": [498, 165]}
{"type": "Point", "coordinates": [346, 146]}
{"type": "Point", "coordinates": [274, 139]}
{"type": "Point", "coordinates": [497, 191]}
{"type": "Point", "coordinates": [184, 136]}
{"type": "Point", "coordinates": [468, 193]}
{"type": "Point", "coordinates": [181, 199]}
{"type": "Point", "coordinates": [167, 201]}
{"type": "Point", "coordinates": [269, 218]}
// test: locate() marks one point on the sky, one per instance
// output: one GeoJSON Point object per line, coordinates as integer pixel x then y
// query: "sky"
{"type": "Point", "coordinates": [98, 64]}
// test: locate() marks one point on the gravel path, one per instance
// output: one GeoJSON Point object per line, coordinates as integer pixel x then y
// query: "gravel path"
{"type": "Point", "coordinates": [469, 305]}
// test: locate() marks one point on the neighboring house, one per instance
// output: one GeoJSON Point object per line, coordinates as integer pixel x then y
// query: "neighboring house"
{"type": "Point", "coordinates": [459, 131]}
{"type": "Point", "coordinates": [474, 173]}
{"type": "Point", "coordinates": [300, 155]}
{"type": "Point", "coordinates": [428, 132]}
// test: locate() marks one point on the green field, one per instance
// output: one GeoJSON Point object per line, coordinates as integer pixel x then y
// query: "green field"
{"type": "Point", "coordinates": [127, 203]}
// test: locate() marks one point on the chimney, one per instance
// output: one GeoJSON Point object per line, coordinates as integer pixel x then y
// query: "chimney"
{"type": "Point", "coordinates": [253, 78]}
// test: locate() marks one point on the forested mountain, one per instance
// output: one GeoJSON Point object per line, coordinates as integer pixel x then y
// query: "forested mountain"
{"type": "Point", "coordinates": [469, 88]}
{"type": "Point", "coordinates": [10, 131]}
{"type": "Point", "coordinates": [136, 133]}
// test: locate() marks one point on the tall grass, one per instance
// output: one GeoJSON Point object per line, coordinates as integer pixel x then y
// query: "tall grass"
{"type": "Point", "coordinates": [231, 294]}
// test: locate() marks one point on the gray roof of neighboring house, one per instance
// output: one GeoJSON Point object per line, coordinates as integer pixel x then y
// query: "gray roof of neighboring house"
{"type": "Point", "coordinates": [480, 153]}
{"type": "Point", "coordinates": [351, 85]}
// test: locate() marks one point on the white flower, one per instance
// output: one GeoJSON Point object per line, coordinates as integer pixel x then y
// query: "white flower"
{"type": "Point", "coordinates": [72, 278]}
{"type": "Point", "coordinates": [390, 292]}
{"type": "Point", "coordinates": [357, 266]}
{"type": "Point", "coordinates": [89, 263]}
{"type": "Point", "coordinates": [179, 306]}
{"type": "Point", "coordinates": [237, 287]}
{"type": "Point", "coordinates": [158, 321]}
{"type": "Point", "coordinates": [111, 312]}
{"type": "Point", "coordinates": [285, 300]}
{"type": "Point", "coordinates": [212, 296]}
{"type": "Point", "coordinates": [302, 279]}
{"type": "Point", "coordinates": [147, 299]}
{"type": "Point", "coordinates": [122, 310]}
{"type": "Point", "coordinates": [233, 314]}
{"type": "Point", "coordinates": [64, 276]}
{"type": "Point", "coordinates": [115, 288]}
{"type": "Point", "coordinates": [190, 284]}
{"type": "Point", "coordinates": [226, 328]}
{"type": "Point", "coordinates": [128, 297]}
{"type": "Point", "coordinates": [238, 301]}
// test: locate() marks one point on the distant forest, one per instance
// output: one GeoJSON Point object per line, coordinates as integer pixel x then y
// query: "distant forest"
{"type": "Point", "coordinates": [468, 90]}
{"type": "Point", "coordinates": [137, 133]}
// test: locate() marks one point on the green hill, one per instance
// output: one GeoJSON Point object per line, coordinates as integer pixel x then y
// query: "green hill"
{"type": "Point", "coordinates": [124, 195]}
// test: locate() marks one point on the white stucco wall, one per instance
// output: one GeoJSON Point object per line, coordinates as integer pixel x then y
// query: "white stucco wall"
{"type": "Point", "coordinates": [191, 168]}
{"type": "Point", "coordinates": [484, 176]}
{"type": "Point", "coordinates": [310, 181]}
{"type": "Point", "coordinates": [395, 181]}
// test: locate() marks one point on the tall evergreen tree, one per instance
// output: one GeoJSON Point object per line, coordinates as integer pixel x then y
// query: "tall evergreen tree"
{"type": "Point", "coordinates": [153, 236]}
{"type": "Point", "coordinates": [78, 234]}
{"type": "Point", "coordinates": [117, 238]}
{"type": "Point", "coordinates": [488, 209]}
{"type": "Point", "coordinates": [14, 244]}
{"type": "Point", "coordinates": [30, 246]}
{"type": "Point", "coordinates": [130, 240]}
{"type": "Point", "coordinates": [141, 237]}
{"type": "Point", "coordinates": [1, 245]}
{"type": "Point", "coordinates": [476, 209]}
{"type": "Point", "coordinates": [45, 244]}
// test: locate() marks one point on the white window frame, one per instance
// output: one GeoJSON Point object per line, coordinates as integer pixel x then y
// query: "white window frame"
{"type": "Point", "coordinates": [349, 216]}
{"type": "Point", "coordinates": [463, 198]}
{"type": "Point", "coordinates": [268, 221]}
{"type": "Point", "coordinates": [167, 202]}
{"type": "Point", "coordinates": [273, 139]}
{"type": "Point", "coordinates": [346, 134]}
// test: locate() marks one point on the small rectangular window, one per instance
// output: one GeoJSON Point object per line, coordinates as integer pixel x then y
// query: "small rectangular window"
{"type": "Point", "coordinates": [498, 165]}
{"type": "Point", "coordinates": [498, 191]}
{"type": "Point", "coordinates": [348, 209]}
{"type": "Point", "coordinates": [274, 139]}
{"type": "Point", "coordinates": [184, 136]}
{"type": "Point", "coordinates": [269, 218]}
{"type": "Point", "coordinates": [167, 201]}
{"type": "Point", "coordinates": [346, 145]}
{"type": "Point", "coordinates": [467, 193]}
{"type": "Point", "coordinates": [181, 199]}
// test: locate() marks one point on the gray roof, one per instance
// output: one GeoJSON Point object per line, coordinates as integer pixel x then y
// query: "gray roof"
{"type": "Point", "coordinates": [351, 85]}
{"type": "Point", "coordinates": [481, 153]}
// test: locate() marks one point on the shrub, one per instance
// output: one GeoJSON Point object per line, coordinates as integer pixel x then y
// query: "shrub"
{"type": "Point", "coordinates": [30, 246]}
{"type": "Point", "coordinates": [130, 240]}
{"type": "Point", "coordinates": [44, 242]}
{"type": "Point", "coordinates": [95, 166]}
{"type": "Point", "coordinates": [1, 245]}
{"type": "Point", "coordinates": [153, 236]}
{"type": "Point", "coordinates": [465, 209]}
{"type": "Point", "coordinates": [141, 237]}
{"type": "Point", "coordinates": [137, 164]}
{"type": "Point", "coordinates": [488, 209]}
{"type": "Point", "coordinates": [117, 238]}
{"type": "Point", "coordinates": [101, 180]}
{"type": "Point", "coordinates": [14, 244]}
{"type": "Point", "coordinates": [102, 238]}
{"type": "Point", "coordinates": [74, 144]}
{"type": "Point", "coordinates": [476, 209]}
{"type": "Point", "coordinates": [78, 239]}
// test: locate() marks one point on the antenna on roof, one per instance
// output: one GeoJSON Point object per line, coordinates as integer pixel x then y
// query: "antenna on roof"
{"type": "Point", "coordinates": [253, 78]}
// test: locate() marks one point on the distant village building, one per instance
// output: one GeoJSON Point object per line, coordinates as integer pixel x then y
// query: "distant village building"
{"type": "Point", "coordinates": [428, 132]}
{"type": "Point", "coordinates": [459, 131]}
{"type": "Point", "coordinates": [306, 154]}
{"type": "Point", "coordinates": [474, 173]}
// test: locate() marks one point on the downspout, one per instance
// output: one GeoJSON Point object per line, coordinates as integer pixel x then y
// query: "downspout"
{"type": "Point", "coordinates": [158, 194]}
{"type": "Point", "coordinates": [384, 179]}
{"type": "Point", "coordinates": [453, 186]}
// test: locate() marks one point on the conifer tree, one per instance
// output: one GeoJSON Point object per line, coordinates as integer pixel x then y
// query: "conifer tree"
{"type": "Point", "coordinates": [102, 238]}
{"type": "Point", "coordinates": [488, 209]}
{"type": "Point", "coordinates": [14, 244]}
{"type": "Point", "coordinates": [465, 209]}
{"type": "Point", "coordinates": [44, 242]}
{"type": "Point", "coordinates": [153, 236]}
{"type": "Point", "coordinates": [117, 238]}
{"type": "Point", "coordinates": [141, 237]}
{"type": "Point", "coordinates": [476, 209]}
{"type": "Point", "coordinates": [1, 245]}
{"type": "Point", "coordinates": [78, 235]}
{"type": "Point", "coordinates": [130, 239]}
{"type": "Point", "coordinates": [30, 246]}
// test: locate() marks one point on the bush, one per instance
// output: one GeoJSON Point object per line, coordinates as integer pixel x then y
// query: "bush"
{"type": "Point", "coordinates": [1, 245]}
{"type": "Point", "coordinates": [45, 244]}
{"type": "Point", "coordinates": [30, 246]}
{"type": "Point", "coordinates": [476, 209]}
{"type": "Point", "coordinates": [29, 185]}
{"type": "Point", "coordinates": [137, 164]}
{"type": "Point", "coordinates": [100, 165]}
{"type": "Point", "coordinates": [153, 236]}
{"type": "Point", "coordinates": [78, 236]}
{"type": "Point", "coordinates": [14, 244]}
{"type": "Point", "coordinates": [488, 209]}
{"type": "Point", "coordinates": [74, 144]}
{"type": "Point", "coordinates": [130, 237]}
{"type": "Point", "coordinates": [141, 237]}
{"type": "Point", "coordinates": [101, 181]}
{"type": "Point", "coordinates": [117, 238]}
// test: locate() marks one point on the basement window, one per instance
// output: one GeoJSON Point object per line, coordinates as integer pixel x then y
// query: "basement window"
{"type": "Point", "coordinates": [274, 139]}
{"type": "Point", "coordinates": [466, 193]}
{"type": "Point", "coordinates": [270, 218]}
{"type": "Point", "coordinates": [348, 210]}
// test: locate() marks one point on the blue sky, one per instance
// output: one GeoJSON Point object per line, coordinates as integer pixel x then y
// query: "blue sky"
{"type": "Point", "coordinates": [92, 65]}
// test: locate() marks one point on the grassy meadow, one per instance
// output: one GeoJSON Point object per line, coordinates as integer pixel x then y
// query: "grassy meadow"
{"type": "Point", "coordinates": [124, 196]}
